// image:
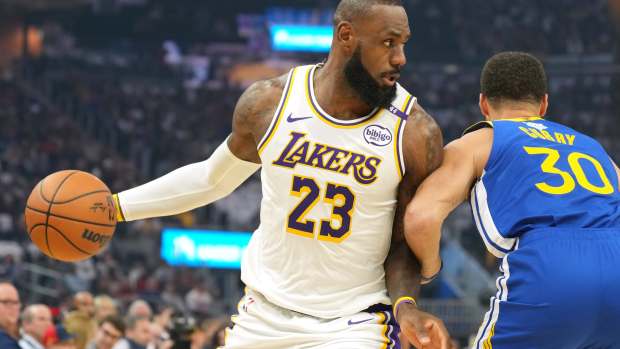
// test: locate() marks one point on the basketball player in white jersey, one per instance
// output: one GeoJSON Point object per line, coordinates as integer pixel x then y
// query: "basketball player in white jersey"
{"type": "Point", "coordinates": [342, 147]}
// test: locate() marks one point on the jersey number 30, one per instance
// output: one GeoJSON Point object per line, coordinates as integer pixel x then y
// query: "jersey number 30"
{"type": "Point", "coordinates": [568, 183]}
{"type": "Point", "coordinates": [340, 197]}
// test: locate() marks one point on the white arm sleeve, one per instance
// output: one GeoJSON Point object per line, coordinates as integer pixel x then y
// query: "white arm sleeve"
{"type": "Point", "coordinates": [188, 187]}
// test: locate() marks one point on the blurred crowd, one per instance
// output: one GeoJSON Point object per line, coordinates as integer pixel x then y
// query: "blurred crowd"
{"type": "Point", "coordinates": [446, 30]}
{"type": "Point", "coordinates": [474, 30]}
{"type": "Point", "coordinates": [87, 322]}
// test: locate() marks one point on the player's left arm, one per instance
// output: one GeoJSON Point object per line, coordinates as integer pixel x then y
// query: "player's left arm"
{"type": "Point", "coordinates": [442, 192]}
{"type": "Point", "coordinates": [422, 151]}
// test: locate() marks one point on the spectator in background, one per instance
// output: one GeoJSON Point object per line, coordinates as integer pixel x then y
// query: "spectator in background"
{"type": "Point", "coordinates": [9, 314]}
{"type": "Point", "coordinates": [57, 337]}
{"type": "Point", "coordinates": [140, 308]}
{"type": "Point", "coordinates": [104, 307]}
{"type": "Point", "coordinates": [199, 299]}
{"type": "Point", "coordinates": [111, 329]}
{"type": "Point", "coordinates": [81, 322]}
{"type": "Point", "coordinates": [36, 319]}
{"type": "Point", "coordinates": [137, 333]}
{"type": "Point", "coordinates": [159, 337]}
{"type": "Point", "coordinates": [84, 303]}
{"type": "Point", "coordinates": [8, 268]}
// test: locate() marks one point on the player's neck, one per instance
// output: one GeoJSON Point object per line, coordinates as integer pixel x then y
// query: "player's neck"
{"type": "Point", "coordinates": [503, 114]}
{"type": "Point", "coordinates": [335, 95]}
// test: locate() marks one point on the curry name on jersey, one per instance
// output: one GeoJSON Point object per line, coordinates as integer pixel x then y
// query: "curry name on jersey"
{"type": "Point", "coordinates": [541, 174]}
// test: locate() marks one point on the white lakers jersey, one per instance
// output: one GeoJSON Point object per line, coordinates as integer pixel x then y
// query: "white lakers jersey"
{"type": "Point", "coordinates": [329, 196]}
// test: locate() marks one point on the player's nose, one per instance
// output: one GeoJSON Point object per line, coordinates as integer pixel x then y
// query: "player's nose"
{"type": "Point", "coordinates": [398, 57]}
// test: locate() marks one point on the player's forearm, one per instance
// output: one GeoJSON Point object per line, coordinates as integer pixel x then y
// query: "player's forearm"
{"type": "Point", "coordinates": [188, 187]}
{"type": "Point", "coordinates": [402, 272]}
{"type": "Point", "coordinates": [423, 235]}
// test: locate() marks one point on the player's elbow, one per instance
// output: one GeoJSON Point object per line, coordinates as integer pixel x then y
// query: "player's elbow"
{"type": "Point", "coordinates": [421, 223]}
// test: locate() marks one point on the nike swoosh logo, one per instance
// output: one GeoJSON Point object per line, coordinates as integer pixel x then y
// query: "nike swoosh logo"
{"type": "Point", "coordinates": [351, 322]}
{"type": "Point", "coordinates": [290, 118]}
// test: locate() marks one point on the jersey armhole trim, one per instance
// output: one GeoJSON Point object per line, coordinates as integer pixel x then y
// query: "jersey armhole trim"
{"type": "Point", "coordinates": [278, 114]}
{"type": "Point", "coordinates": [398, 132]}
{"type": "Point", "coordinates": [478, 126]}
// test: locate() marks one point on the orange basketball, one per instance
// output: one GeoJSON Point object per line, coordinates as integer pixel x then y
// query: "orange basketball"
{"type": "Point", "coordinates": [70, 215]}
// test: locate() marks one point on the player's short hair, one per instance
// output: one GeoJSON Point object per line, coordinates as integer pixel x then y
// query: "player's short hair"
{"type": "Point", "coordinates": [348, 10]}
{"type": "Point", "coordinates": [513, 77]}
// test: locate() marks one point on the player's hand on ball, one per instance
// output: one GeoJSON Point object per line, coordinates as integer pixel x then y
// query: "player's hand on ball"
{"type": "Point", "coordinates": [422, 329]}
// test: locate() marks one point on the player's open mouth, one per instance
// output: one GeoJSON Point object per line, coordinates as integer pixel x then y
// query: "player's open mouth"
{"type": "Point", "coordinates": [390, 79]}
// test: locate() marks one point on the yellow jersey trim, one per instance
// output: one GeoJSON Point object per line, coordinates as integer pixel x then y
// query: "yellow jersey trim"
{"type": "Point", "coordinates": [477, 126]}
{"type": "Point", "coordinates": [330, 120]}
{"type": "Point", "coordinates": [398, 149]}
{"type": "Point", "coordinates": [282, 106]}
{"type": "Point", "coordinates": [523, 119]}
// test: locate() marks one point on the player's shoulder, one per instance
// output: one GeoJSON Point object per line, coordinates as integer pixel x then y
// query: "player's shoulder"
{"type": "Point", "coordinates": [475, 144]}
{"type": "Point", "coordinates": [422, 142]}
{"type": "Point", "coordinates": [259, 100]}
{"type": "Point", "coordinates": [475, 139]}
{"type": "Point", "coordinates": [263, 92]}
{"type": "Point", "coordinates": [421, 125]}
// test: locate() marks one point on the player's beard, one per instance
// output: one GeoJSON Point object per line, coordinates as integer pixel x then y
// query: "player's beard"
{"type": "Point", "coordinates": [365, 85]}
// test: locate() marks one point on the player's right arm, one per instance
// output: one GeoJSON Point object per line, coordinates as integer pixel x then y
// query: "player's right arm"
{"type": "Point", "coordinates": [201, 183]}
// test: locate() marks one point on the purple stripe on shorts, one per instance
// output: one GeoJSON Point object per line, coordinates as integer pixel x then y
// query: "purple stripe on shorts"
{"type": "Point", "coordinates": [393, 331]}
{"type": "Point", "coordinates": [392, 326]}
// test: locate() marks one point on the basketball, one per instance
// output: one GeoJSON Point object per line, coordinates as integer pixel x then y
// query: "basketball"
{"type": "Point", "coordinates": [70, 215]}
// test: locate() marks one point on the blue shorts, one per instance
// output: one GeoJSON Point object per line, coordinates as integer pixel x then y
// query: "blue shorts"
{"type": "Point", "coordinates": [560, 289]}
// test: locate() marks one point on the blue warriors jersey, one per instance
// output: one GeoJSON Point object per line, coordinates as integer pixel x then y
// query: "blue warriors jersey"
{"type": "Point", "coordinates": [541, 174]}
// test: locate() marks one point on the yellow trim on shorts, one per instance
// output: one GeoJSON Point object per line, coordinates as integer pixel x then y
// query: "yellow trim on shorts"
{"type": "Point", "coordinates": [384, 332]}
{"type": "Point", "coordinates": [273, 128]}
{"type": "Point", "coordinates": [487, 342]}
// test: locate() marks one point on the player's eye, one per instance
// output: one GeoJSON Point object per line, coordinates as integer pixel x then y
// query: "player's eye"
{"type": "Point", "coordinates": [388, 43]}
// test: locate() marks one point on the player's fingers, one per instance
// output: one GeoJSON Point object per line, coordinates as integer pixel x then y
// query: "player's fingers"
{"type": "Point", "coordinates": [439, 333]}
{"type": "Point", "coordinates": [412, 339]}
{"type": "Point", "coordinates": [411, 335]}
{"type": "Point", "coordinates": [421, 333]}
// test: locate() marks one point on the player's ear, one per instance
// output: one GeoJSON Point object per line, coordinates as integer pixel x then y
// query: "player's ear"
{"type": "Point", "coordinates": [544, 105]}
{"type": "Point", "coordinates": [345, 36]}
{"type": "Point", "coordinates": [484, 106]}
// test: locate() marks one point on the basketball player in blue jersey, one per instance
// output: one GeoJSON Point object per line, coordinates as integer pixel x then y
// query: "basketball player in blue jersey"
{"type": "Point", "coordinates": [342, 147]}
{"type": "Point", "coordinates": [546, 200]}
